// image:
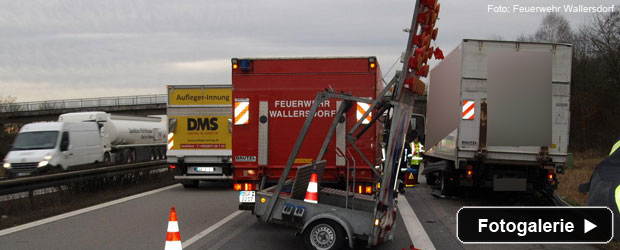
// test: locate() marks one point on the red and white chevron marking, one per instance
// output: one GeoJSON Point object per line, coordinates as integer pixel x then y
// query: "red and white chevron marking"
{"type": "Point", "coordinates": [468, 109]}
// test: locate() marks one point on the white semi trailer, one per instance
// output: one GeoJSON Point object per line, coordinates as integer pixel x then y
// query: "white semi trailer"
{"type": "Point", "coordinates": [498, 116]}
{"type": "Point", "coordinates": [126, 139]}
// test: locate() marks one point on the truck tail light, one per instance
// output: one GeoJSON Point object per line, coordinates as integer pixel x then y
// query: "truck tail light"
{"type": "Point", "coordinates": [249, 186]}
{"type": "Point", "coordinates": [235, 63]}
{"type": "Point", "coordinates": [244, 186]}
{"type": "Point", "coordinates": [368, 189]}
{"type": "Point", "coordinates": [360, 189]}
{"type": "Point", "coordinates": [470, 172]}
{"type": "Point", "coordinates": [172, 166]}
{"type": "Point", "coordinates": [372, 62]}
{"type": "Point", "coordinates": [550, 176]}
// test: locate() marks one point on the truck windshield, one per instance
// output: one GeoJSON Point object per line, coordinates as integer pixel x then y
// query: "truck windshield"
{"type": "Point", "coordinates": [35, 140]}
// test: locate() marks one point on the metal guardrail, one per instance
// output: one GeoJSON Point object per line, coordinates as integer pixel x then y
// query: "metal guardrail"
{"type": "Point", "coordinates": [37, 182]}
{"type": "Point", "coordinates": [84, 103]}
{"type": "Point", "coordinates": [559, 201]}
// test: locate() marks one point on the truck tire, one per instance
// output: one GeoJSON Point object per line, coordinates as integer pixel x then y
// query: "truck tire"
{"type": "Point", "coordinates": [130, 156]}
{"type": "Point", "coordinates": [431, 179]}
{"type": "Point", "coordinates": [190, 183]}
{"type": "Point", "coordinates": [324, 235]}
{"type": "Point", "coordinates": [107, 159]}
{"type": "Point", "coordinates": [445, 185]}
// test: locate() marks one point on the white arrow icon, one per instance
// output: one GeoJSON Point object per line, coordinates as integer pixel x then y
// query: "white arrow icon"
{"type": "Point", "coordinates": [587, 226]}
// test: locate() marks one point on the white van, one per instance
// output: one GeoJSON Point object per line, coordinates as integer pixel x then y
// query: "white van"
{"type": "Point", "coordinates": [41, 146]}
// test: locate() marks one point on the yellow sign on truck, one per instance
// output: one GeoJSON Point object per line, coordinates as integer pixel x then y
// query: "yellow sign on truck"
{"type": "Point", "coordinates": [199, 133]}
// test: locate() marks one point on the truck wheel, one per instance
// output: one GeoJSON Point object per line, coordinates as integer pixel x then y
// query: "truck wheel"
{"type": "Point", "coordinates": [444, 184]}
{"type": "Point", "coordinates": [162, 154]}
{"type": "Point", "coordinates": [190, 183]}
{"type": "Point", "coordinates": [157, 154]}
{"type": "Point", "coordinates": [130, 156]}
{"type": "Point", "coordinates": [324, 235]}
{"type": "Point", "coordinates": [107, 160]}
{"type": "Point", "coordinates": [431, 179]}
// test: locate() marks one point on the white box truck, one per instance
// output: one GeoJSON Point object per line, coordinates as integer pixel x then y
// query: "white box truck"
{"type": "Point", "coordinates": [498, 116]}
{"type": "Point", "coordinates": [200, 133]}
{"type": "Point", "coordinates": [41, 146]}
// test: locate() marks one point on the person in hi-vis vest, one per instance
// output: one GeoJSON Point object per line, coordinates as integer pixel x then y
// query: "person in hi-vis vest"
{"type": "Point", "coordinates": [415, 158]}
{"type": "Point", "coordinates": [604, 185]}
{"type": "Point", "coordinates": [417, 150]}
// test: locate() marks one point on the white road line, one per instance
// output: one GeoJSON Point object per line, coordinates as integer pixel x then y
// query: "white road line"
{"type": "Point", "coordinates": [418, 235]}
{"type": "Point", "coordinates": [81, 211]}
{"type": "Point", "coordinates": [212, 228]}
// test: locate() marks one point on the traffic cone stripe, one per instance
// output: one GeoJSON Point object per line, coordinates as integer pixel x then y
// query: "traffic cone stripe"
{"type": "Point", "coordinates": [173, 226]}
{"type": "Point", "coordinates": [312, 187]}
{"type": "Point", "coordinates": [173, 236]}
{"type": "Point", "coordinates": [312, 198]}
{"type": "Point", "coordinates": [173, 245]}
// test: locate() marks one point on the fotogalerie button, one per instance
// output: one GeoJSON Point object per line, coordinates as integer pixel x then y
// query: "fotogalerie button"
{"type": "Point", "coordinates": [551, 225]}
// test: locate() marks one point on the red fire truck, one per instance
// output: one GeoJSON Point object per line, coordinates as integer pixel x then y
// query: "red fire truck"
{"type": "Point", "coordinates": [272, 97]}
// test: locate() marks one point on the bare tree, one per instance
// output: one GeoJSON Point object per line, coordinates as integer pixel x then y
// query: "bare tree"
{"type": "Point", "coordinates": [602, 38]}
{"type": "Point", "coordinates": [554, 28]}
{"type": "Point", "coordinates": [5, 103]}
{"type": "Point", "coordinates": [497, 37]}
{"type": "Point", "coordinates": [596, 84]}
{"type": "Point", "coordinates": [524, 38]}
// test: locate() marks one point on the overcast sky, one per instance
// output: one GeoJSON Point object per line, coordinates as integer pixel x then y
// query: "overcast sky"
{"type": "Point", "coordinates": [58, 49]}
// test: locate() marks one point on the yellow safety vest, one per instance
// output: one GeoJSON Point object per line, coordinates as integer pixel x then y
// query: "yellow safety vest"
{"type": "Point", "coordinates": [613, 149]}
{"type": "Point", "coordinates": [417, 149]}
{"type": "Point", "coordinates": [617, 192]}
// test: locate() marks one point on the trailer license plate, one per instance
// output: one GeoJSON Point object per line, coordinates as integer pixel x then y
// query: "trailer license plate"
{"type": "Point", "coordinates": [204, 169]}
{"type": "Point", "coordinates": [246, 196]}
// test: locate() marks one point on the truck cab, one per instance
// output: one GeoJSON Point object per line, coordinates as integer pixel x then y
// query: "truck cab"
{"type": "Point", "coordinates": [42, 146]}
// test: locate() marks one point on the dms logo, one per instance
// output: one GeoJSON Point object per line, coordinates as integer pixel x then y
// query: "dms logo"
{"type": "Point", "coordinates": [205, 123]}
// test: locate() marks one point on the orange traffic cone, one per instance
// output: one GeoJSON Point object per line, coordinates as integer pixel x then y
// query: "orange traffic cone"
{"type": "Point", "coordinates": [312, 192]}
{"type": "Point", "coordinates": [412, 248]}
{"type": "Point", "coordinates": [173, 237]}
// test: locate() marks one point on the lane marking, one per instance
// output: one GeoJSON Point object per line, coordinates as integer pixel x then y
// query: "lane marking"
{"type": "Point", "coordinates": [418, 235]}
{"type": "Point", "coordinates": [81, 211]}
{"type": "Point", "coordinates": [210, 229]}
{"type": "Point", "coordinates": [242, 225]}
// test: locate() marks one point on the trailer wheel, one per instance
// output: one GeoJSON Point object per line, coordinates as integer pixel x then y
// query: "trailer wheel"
{"type": "Point", "coordinates": [130, 156]}
{"type": "Point", "coordinates": [324, 235]}
{"type": "Point", "coordinates": [107, 160]}
{"type": "Point", "coordinates": [162, 153]}
{"type": "Point", "coordinates": [157, 154]}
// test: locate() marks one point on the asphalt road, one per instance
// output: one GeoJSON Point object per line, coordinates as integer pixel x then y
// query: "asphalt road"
{"type": "Point", "coordinates": [209, 219]}
{"type": "Point", "coordinates": [141, 223]}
